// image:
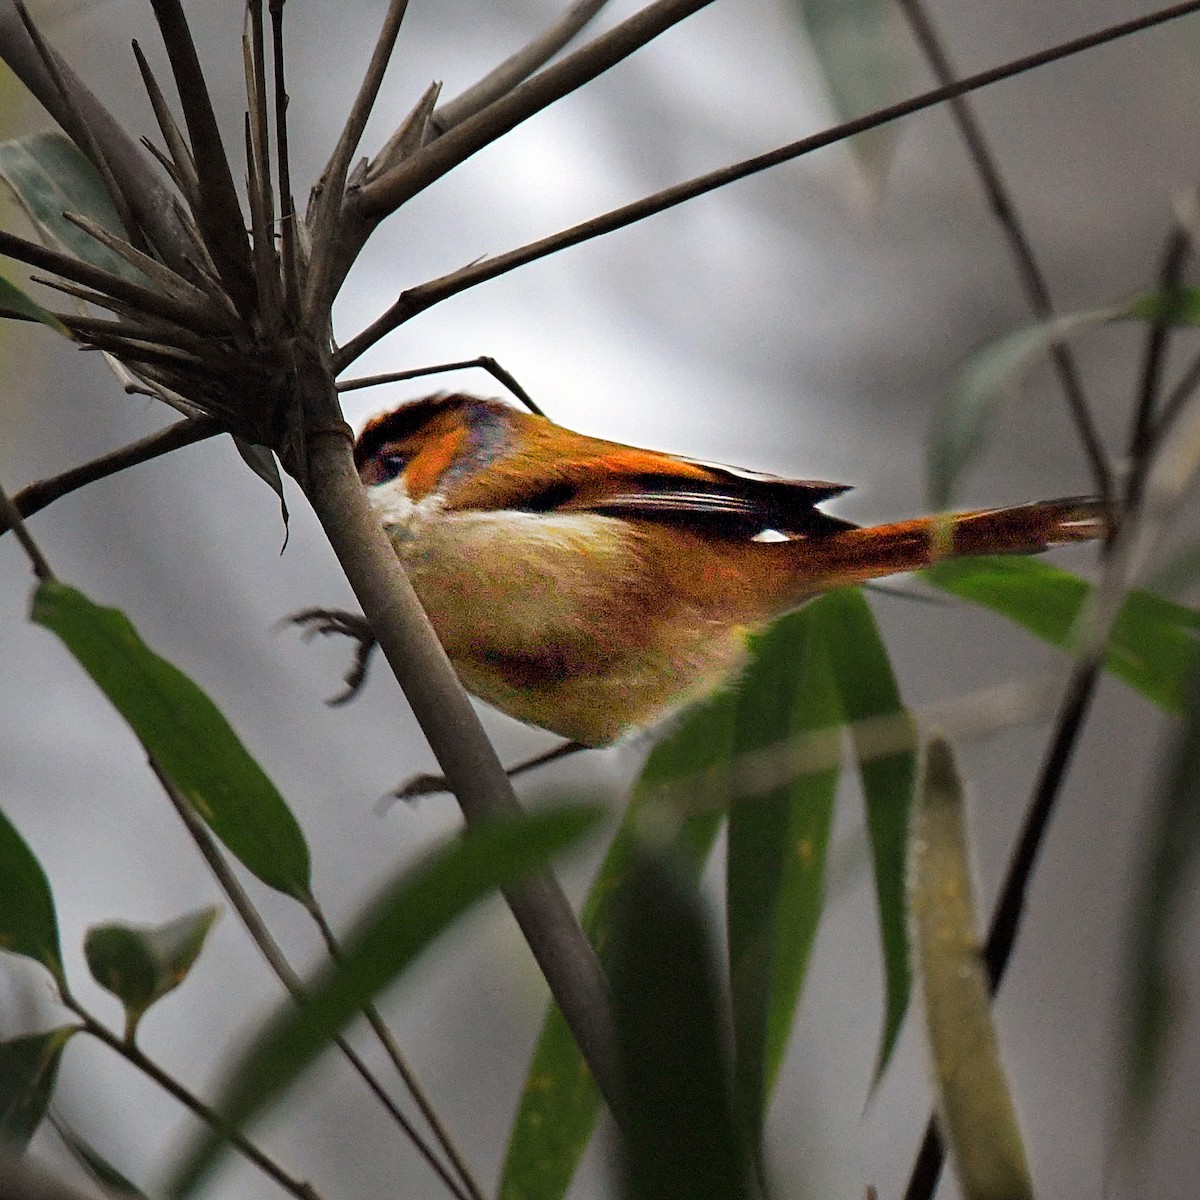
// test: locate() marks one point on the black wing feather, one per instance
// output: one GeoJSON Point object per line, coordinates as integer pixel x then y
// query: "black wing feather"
{"type": "Point", "coordinates": [737, 505]}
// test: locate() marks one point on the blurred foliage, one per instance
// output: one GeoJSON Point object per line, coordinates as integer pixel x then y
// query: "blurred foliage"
{"type": "Point", "coordinates": [976, 1114]}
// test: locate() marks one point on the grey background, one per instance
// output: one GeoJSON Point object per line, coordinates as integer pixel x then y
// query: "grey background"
{"type": "Point", "coordinates": [782, 324]}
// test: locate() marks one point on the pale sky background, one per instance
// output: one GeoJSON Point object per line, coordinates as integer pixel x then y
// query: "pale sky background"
{"type": "Point", "coordinates": [783, 325]}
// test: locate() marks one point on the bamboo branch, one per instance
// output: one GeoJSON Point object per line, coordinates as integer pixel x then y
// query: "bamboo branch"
{"type": "Point", "coordinates": [289, 242]}
{"type": "Point", "coordinates": [145, 299]}
{"type": "Point", "coordinates": [415, 300]}
{"type": "Point", "coordinates": [44, 492]}
{"type": "Point", "coordinates": [220, 213]}
{"type": "Point", "coordinates": [383, 196]}
{"type": "Point", "coordinates": [87, 141]}
{"type": "Point", "coordinates": [484, 362]}
{"type": "Point", "coordinates": [518, 67]}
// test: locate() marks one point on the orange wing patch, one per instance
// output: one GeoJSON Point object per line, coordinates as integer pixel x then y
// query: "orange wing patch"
{"type": "Point", "coordinates": [623, 462]}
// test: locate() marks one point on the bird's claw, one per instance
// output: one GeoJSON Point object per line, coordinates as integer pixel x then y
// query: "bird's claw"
{"type": "Point", "coordinates": [326, 621]}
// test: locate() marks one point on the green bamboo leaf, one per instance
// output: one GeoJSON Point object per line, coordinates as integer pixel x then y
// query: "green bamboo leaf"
{"type": "Point", "coordinates": [28, 1070]}
{"type": "Point", "coordinates": [1153, 646]}
{"type": "Point", "coordinates": [1152, 987]}
{"type": "Point", "coordinates": [867, 60]}
{"type": "Point", "coordinates": [187, 736]}
{"type": "Point", "coordinates": [560, 1102]}
{"type": "Point", "coordinates": [775, 860]}
{"type": "Point", "coordinates": [140, 964]}
{"type": "Point", "coordinates": [975, 1111]}
{"type": "Point", "coordinates": [405, 916]}
{"type": "Point", "coordinates": [870, 694]}
{"type": "Point", "coordinates": [49, 176]}
{"type": "Point", "coordinates": [16, 304]}
{"type": "Point", "coordinates": [28, 923]}
{"type": "Point", "coordinates": [961, 425]}
{"type": "Point", "coordinates": [680, 1140]}
{"type": "Point", "coordinates": [1178, 307]}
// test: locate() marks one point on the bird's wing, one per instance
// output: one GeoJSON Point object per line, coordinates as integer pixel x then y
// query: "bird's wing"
{"type": "Point", "coordinates": [547, 473]}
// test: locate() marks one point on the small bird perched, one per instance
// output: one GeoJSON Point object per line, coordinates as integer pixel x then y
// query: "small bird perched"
{"type": "Point", "coordinates": [591, 588]}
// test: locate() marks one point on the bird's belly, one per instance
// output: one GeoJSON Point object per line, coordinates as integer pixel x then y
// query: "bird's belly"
{"type": "Point", "coordinates": [563, 621]}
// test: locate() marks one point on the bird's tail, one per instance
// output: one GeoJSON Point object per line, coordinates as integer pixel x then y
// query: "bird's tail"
{"type": "Point", "coordinates": [856, 555]}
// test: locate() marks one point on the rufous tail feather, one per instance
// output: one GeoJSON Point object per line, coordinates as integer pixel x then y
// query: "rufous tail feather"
{"type": "Point", "coordinates": [857, 555]}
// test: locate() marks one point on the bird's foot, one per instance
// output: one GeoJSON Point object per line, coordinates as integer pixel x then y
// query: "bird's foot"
{"type": "Point", "coordinates": [326, 621]}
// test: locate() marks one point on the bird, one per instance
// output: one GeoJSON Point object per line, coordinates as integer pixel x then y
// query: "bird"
{"type": "Point", "coordinates": [593, 588]}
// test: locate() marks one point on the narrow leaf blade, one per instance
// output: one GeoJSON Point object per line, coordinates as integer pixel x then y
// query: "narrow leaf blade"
{"type": "Point", "coordinates": [1153, 646]}
{"type": "Point", "coordinates": [261, 460]}
{"type": "Point", "coordinates": [990, 377]}
{"type": "Point", "coordinates": [49, 176]}
{"type": "Point", "coordinates": [869, 694]}
{"type": "Point", "coordinates": [15, 303]}
{"type": "Point", "coordinates": [28, 922]}
{"type": "Point", "coordinates": [403, 919]}
{"type": "Point", "coordinates": [776, 853]}
{"type": "Point", "coordinates": [113, 1182]}
{"type": "Point", "coordinates": [186, 734]}
{"type": "Point", "coordinates": [976, 1113]}
{"type": "Point", "coordinates": [680, 1138]}
{"type": "Point", "coordinates": [28, 1071]}
{"type": "Point", "coordinates": [867, 62]}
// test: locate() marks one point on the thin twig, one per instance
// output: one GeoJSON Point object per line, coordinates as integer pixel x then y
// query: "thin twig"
{"type": "Point", "coordinates": [301, 1189]}
{"type": "Point", "coordinates": [1175, 400]}
{"type": "Point", "coordinates": [220, 213]}
{"type": "Point", "coordinates": [484, 362]}
{"type": "Point", "coordinates": [417, 786]}
{"type": "Point", "coordinates": [1037, 290]}
{"type": "Point", "coordinates": [415, 1088]}
{"type": "Point", "coordinates": [39, 495]}
{"type": "Point", "coordinates": [258, 162]}
{"type": "Point", "coordinates": [143, 298]}
{"type": "Point", "coordinates": [324, 218]}
{"type": "Point", "coordinates": [383, 196]}
{"type": "Point", "coordinates": [271, 951]}
{"type": "Point", "coordinates": [1135, 528]}
{"type": "Point", "coordinates": [416, 300]}
{"type": "Point", "coordinates": [519, 66]}
{"type": "Point", "coordinates": [1174, 255]}
{"type": "Point", "coordinates": [177, 147]}
{"type": "Point", "coordinates": [289, 245]}
{"type": "Point", "coordinates": [159, 273]}
{"type": "Point", "coordinates": [10, 514]}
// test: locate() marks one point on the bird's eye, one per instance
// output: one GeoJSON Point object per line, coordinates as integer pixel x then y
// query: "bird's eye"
{"type": "Point", "coordinates": [383, 467]}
